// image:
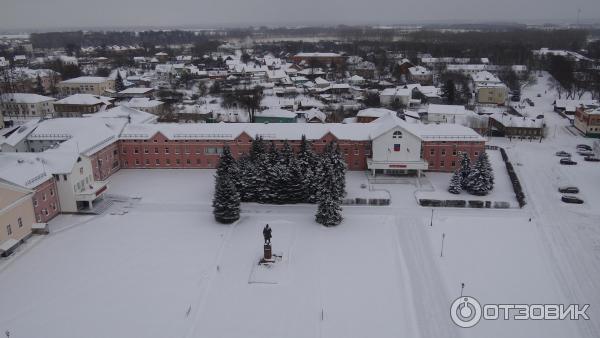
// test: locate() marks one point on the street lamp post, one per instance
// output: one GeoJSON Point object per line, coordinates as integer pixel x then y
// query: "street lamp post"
{"type": "Point", "coordinates": [442, 251]}
{"type": "Point", "coordinates": [431, 222]}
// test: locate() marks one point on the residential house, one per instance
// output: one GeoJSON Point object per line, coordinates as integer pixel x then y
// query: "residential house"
{"type": "Point", "coordinates": [275, 115]}
{"type": "Point", "coordinates": [371, 114]}
{"type": "Point", "coordinates": [155, 107]}
{"type": "Point", "coordinates": [420, 74]}
{"type": "Point", "coordinates": [77, 105]}
{"type": "Point", "coordinates": [569, 107]}
{"type": "Point", "coordinates": [94, 85]}
{"type": "Point", "coordinates": [508, 125]}
{"type": "Point", "coordinates": [319, 59]}
{"type": "Point", "coordinates": [20, 107]}
{"type": "Point", "coordinates": [588, 122]}
{"type": "Point", "coordinates": [134, 92]}
{"type": "Point", "coordinates": [489, 89]}
{"type": "Point", "coordinates": [399, 96]}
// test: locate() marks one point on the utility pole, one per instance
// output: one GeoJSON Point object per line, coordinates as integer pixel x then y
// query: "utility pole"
{"type": "Point", "coordinates": [442, 251]}
{"type": "Point", "coordinates": [431, 222]}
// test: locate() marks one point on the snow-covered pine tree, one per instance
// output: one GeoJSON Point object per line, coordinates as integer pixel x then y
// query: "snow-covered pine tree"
{"type": "Point", "coordinates": [229, 166]}
{"type": "Point", "coordinates": [286, 154]}
{"type": "Point", "coordinates": [226, 201]}
{"type": "Point", "coordinates": [119, 85]}
{"type": "Point", "coordinates": [277, 180]}
{"type": "Point", "coordinates": [247, 172]}
{"type": "Point", "coordinates": [328, 210]}
{"type": "Point", "coordinates": [306, 163]}
{"type": "Point", "coordinates": [295, 190]}
{"type": "Point", "coordinates": [274, 154]}
{"type": "Point", "coordinates": [286, 191]}
{"type": "Point", "coordinates": [465, 169]}
{"type": "Point", "coordinates": [333, 155]}
{"type": "Point", "coordinates": [478, 182]}
{"type": "Point", "coordinates": [262, 172]}
{"type": "Point", "coordinates": [455, 187]}
{"type": "Point", "coordinates": [487, 165]}
{"type": "Point", "coordinates": [257, 148]}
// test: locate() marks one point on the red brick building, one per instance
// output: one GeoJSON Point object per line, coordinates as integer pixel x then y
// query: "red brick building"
{"type": "Point", "coordinates": [198, 146]}
{"type": "Point", "coordinates": [106, 161]}
{"type": "Point", "coordinates": [46, 204]}
{"type": "Point", "coordinates": [444, 156]}
{"type": "Point", "coordinates": [159, 151]}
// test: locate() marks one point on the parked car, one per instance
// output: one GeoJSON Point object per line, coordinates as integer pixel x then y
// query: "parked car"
{"type": "Point", "coordinates": [541, 116]}
{"type": "Point", "coordinates": [567, 161]}
{"type": "Point", "coordinates": [563, 154]}
{"type": "Point", "coordinates": [568, 190]}
{"type": "Point", "coordinates": [571, 199]}
{"type": "Point", "coordinates": [585, 153]}
{"type": "Point", "coordinates": [591, 159]}
{"type": "Point", "coordinates": [584, 147]}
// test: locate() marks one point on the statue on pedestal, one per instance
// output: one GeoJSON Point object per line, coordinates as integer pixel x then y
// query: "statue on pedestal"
{"type": "Point", "coordinates": [267, 234]}
{"type": "Point", "coordinates": [268, 255]}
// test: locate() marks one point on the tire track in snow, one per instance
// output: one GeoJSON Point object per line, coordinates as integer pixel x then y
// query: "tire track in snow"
{"type": "Point", "coordinates": [197, 310]}
{"type": "Point", "coordinates": [429, 299]}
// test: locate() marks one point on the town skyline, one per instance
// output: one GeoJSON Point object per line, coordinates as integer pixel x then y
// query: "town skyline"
{"type": "Point", "coordinates": [71, 14]}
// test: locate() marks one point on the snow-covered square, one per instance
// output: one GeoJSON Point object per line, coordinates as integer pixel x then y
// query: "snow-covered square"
{"type": "Point", "coordinates": [165, 268]}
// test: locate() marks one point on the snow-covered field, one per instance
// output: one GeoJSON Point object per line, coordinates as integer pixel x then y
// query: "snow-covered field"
{"type": "Point", "coordinates": [161, 267]}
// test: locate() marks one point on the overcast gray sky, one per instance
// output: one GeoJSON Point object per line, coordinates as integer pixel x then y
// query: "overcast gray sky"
{"type": "Point", "coordinates": [47, 14]}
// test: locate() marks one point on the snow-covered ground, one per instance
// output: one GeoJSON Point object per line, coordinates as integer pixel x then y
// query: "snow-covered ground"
{"type": "Point", "coordinates": [161, 267]}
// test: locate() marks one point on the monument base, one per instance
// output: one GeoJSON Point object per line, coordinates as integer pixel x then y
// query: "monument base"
{"type": "Point", "coordinates": [268, 255]}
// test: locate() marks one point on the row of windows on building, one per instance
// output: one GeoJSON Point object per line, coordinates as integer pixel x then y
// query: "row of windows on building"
{"type": "Point", "coordinates": [291, 142]}
{"type": "Point", "coordinates": [454, 152]}
{"type": "Point", "coordinates": [207, 150]}
{"type": "Point", "coordinates": [23, 105]}
{"type": "Point", "coordinates": [519, 131]}
{"type": "Point", "coordinates": [44, 197]}
{"type": "Point", "coordinates": [208, 162]}
{"type": "Point", "coordinates": [9, 227]}
{"type": "Point", "coordinates": [168, 162]}
{"type": "Point", "coordinates": [442, 164]}
{"type": "Point", "coordinates": [32, 113]}
{"type": "Point", "coordinates": [219, 150]}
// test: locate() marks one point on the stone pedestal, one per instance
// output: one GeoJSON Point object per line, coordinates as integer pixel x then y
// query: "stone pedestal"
{"type": "Point", "coordinates": [268, 253]}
